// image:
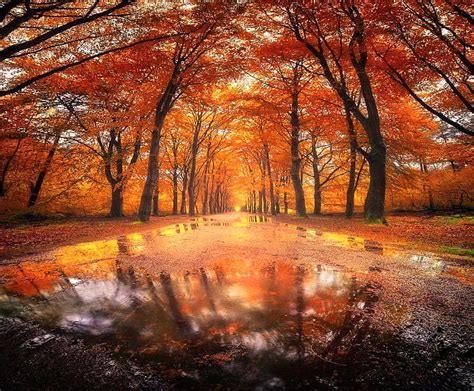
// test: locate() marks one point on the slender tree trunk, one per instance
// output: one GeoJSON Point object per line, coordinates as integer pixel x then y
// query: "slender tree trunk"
{"type": "Point", "coordinates": [263, 180]}
{"type": "Point", "coordinates": [192, 173]}
{"type": "Point", "coordinates": [40, 179]}
{"type": "Point", "coordinates": [5, 167]}
{"type": "Point", "coordinates": [156, 198]}
{"type": "Point", "coordinates": [118, 183]}
{"type": "Point", "coordinates": [182, 209]}
{"type": "Point", "coordinates": [217, 199]}
{"type": "Point", "coordinates": [205, 198]}
{"type": "Point", "coordinates": [162, 109]}
{"type": "Point", "coordinates": [427, 185]}
{"type": "Point", "coordinates": [183, 193]}
{"type": "Point", "coordinates": [175, 191]}
{"type": "Point", "coordinates": [351, 186]}
{"type": "Point", "coordinates": [316, 176]}
{"type": "Point", "coordinates": [285, 201]}
{"type": "Point", "coordinates": [296, 159]}
{"type": "Point", "coordinates": [152, 177]}
{"type": "Point", "coordinates": [254, 206]}
{"type": "Point", "coordinates": [156, 203]}
{"type": "Point", "coordinates": [270, 179]}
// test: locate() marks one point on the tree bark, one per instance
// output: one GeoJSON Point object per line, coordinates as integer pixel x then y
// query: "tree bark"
{"type": "Point", "coordinates": [205, 198]}
{"type": "Point", "coordinates": [116, 207]}
{"type": "Point", "coordinates": [351, 186]}
{"type": "Point", "coordinates": [296, 159]}
{"type": "Point", "coordinates": [375, 200]}
{"type": "Point", "coordinates": [163, 107]}
{"type": "Point", "coordinates": [40, 179]}
{"type": "Point", "coordinates": [192, 171]}
{"type": "Point", "coordinates": [317, 177]}
{"type": "Point", "coordinates": [6, 166]}
{"type": "Point", "coordinates": [156, 202]}
{"type": "Point", "coordinates": [175, 191]}
{"type": "Point", "coordinates": [270, 179]}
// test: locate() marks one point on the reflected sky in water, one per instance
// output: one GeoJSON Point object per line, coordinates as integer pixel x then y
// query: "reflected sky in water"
{"type": "Point", "coordinates": [238, 319]}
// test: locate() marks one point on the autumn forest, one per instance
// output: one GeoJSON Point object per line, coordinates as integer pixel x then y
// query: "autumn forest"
{"type": "Point", "coordinates": [236, 195]}
{"type": "Point", "coordinates": [125, 107]}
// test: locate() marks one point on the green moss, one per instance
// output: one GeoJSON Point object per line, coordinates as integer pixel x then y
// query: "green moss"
{"type": "Point", "coordinates": [455, 219]}
{"type": "Point", "coordinates": [375, 221]}
{"type": "Point", "coordinates": [458, 251]}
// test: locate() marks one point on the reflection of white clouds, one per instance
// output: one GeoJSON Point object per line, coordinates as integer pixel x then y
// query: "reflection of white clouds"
{"type": "Point", "coordinates": [195, 326]}
{"type": "Point", "coordinates": [310, 287]}
{"type": "Point", "coordinates": [327, 278]}
{"type": "Point", "coordinates": [74, 280]}
{"type": "Point", "coordinates": [307, 313]}
{"type": "Point", "coordinates": [428, 263]}
{"type": "Point", "coordinates": [87, 323]}
{"type": "Point", "coordinates": [93, 291]}
{"type": "Point", "coordinates": [257, 341]}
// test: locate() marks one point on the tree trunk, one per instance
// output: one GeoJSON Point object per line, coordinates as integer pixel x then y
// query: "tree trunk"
{"type": "Point", "coordinates": [156, 203]}
{"type": "Point", "coordinates": [270, 179]}
{"type": "Point", "coordinates": [254, 204]}
{"type": "Point", "coordinates": [205, 198]}
{"type": "Point", "coordinates": [175, 192]}
{"type": "Point", "coordinates": [144, 210]}
{"type": "Point", "coordinates": [162, 108]}
{"type": "Point", "coordinates": [182, 209]}
{"type": "Point", "coordinates": [5, 167]}
{"type": "Point", "coordinates": [116, 208]}
{"type": "Point", "coordinates": [277, 203]}
{"type": "Point", "coordinates": [156, 199]}
{"type": "Point", "coordinates": [192, 173]}
{"type": "Point", "coordinates": [40, 179]}
{"type": "Point", "coordinates": [296, 159]}
{"type": "Point", "coordinates": [317, 177]}
{"type": "Point", "coordinates": [183, 193]}
{"type": "Point", "coordinates": [285, 202]}
{"type": "Point", "coordinates": [351, 186]}
{"type": "Point", "coordinates": [375, 200]}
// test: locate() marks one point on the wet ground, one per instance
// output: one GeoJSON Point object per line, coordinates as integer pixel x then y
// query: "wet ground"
{"type": "Point", "coordinates": [236, 302]}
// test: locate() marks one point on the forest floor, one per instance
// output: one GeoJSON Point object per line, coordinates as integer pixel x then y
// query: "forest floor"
{"type": "Point", "coordinates": [443, 233]}
{"type": "Point", "coordinates": [233, 301]}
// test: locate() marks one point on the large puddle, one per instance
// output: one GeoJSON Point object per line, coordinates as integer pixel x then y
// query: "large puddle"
{"type": "Point", "coordinates": [239, 322]}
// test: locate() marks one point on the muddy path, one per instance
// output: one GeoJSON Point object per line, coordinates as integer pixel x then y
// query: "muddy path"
{"type": "Point", "coordinates": [236, 302]}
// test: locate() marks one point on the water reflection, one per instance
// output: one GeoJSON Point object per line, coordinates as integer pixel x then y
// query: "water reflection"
{"type": "Point", "coordinates": [347, 241]}
{"type": "Point", "coordinates": [238, 320]}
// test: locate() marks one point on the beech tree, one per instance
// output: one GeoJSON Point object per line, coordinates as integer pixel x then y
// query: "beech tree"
{"type": "Point", "coordinates": [186, 64]}
{"type": "Point", "coordinates": [333, 35]}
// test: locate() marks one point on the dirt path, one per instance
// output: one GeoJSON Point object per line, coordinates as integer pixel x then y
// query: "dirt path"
{"type": "Point", "coordinates": [425, 232]}
{"type": "Point", "coordinates": [239, 301]}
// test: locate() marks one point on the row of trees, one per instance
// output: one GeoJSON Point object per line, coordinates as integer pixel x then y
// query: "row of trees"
{"type": "Point", "coordinates": [205, 106]}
